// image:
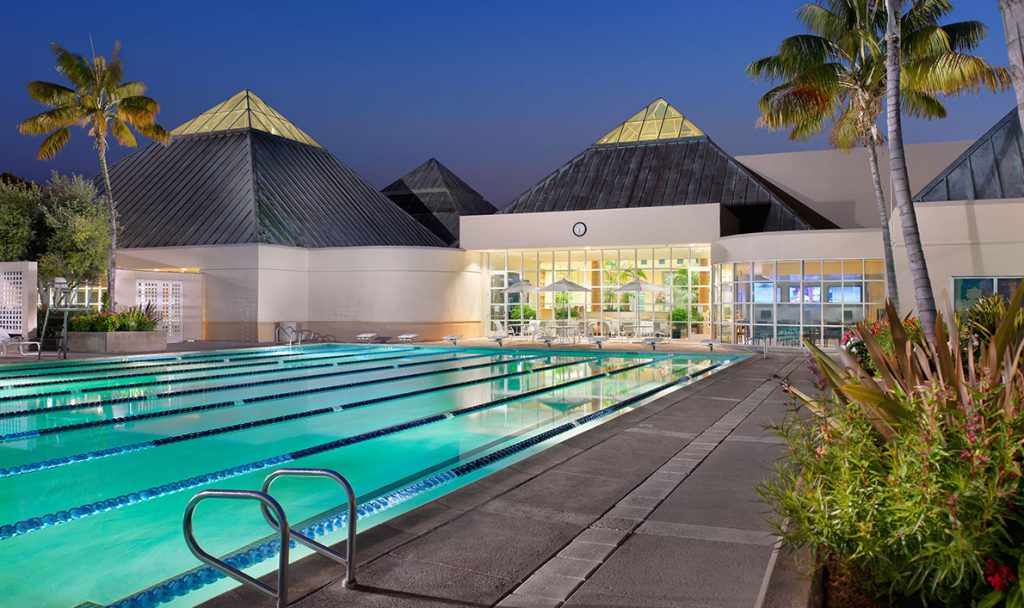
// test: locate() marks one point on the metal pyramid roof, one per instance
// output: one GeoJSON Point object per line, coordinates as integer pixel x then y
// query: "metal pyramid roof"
{"type": "Point", "coordinates": [648, 170]}
{"type": "Point", "coordinates": [437, 198]}
{"type": "Point", "coordinates": [244, 110]}
{"type": "Point", "coordinates": [993, 167]}
{"type": "Point", "coordinates": [248, 186]}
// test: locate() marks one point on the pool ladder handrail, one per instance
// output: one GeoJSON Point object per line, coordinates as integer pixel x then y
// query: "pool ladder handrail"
{"type": "Point", "coordinates": [275, 516]}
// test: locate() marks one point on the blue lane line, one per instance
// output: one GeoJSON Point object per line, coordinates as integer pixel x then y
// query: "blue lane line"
{"type": "Point", "coordinates": [101, 506]}
{"type": "Point", "coordinates": [20, 435]}
{"type": "Point", "coordinates": [271, 361]}
{"type": "Point", "coordinates": [255, 553]}
{"type": "Point", "coordinates": [256, 350]}
{"type": "Point", "coordinates": [97, 371]}
{"type": "Point", "coordinates": [209, 389]}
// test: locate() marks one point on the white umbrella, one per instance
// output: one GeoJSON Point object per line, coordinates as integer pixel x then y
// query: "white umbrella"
{"type": "Point", "coordinates": [638, 286]}
{"type": "Point", "coordinates": [523, 286]}
{"type": "Point", "coordinates": [564, 286]}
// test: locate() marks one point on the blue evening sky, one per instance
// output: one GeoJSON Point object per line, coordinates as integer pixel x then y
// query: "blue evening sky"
{"type": "Point", "coordinates": [501, 92]}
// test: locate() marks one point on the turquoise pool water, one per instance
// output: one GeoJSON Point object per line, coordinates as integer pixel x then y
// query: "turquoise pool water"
{"type": "Point", "coordinates": [98, 458]}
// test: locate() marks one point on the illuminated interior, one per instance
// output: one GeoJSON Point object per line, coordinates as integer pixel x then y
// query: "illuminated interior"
{"type": "Point", "coordinates": [657, 121]}
{"type": "Point", "coordinates": [244, 110]}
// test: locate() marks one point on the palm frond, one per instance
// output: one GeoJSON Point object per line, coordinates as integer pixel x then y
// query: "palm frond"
{"type": "Point", "coordinates": [75, 67]}
{"type": "Point", "coordinates": [965, 35]}
{"type": "Point", "coordinates": [53, 144]}
{"type": "Point", "coordinates": [129, 89]}
{"type": "Point", "coordinates": [114, 72]}
{"type": "Point", "coordinates": [50, 94]}
{"type": "Point", "coordinates": [822, 21]}
{"type": "Point", "coordinates": [47, 121]}
{"type": "Point", "coordinates": [922, 105]}
{"type": "Point", "coordinates": [122, 133]}
{"type": "Point", "coordinates": [953, 74]}
{"type": "Point", "coordinates": [155, 132]}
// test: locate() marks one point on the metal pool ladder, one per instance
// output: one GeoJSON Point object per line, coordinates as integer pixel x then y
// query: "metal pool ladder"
{"type": "Point", "coordinates": [274, 514]}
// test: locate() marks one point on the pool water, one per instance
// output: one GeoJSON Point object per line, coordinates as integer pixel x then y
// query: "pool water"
{"type": "Point", "coordinates": [98, 458]}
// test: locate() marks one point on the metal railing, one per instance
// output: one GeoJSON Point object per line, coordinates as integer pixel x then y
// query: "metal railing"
{"type": "Point", "coordinates": [350, 546]}
{"type": "Point", "coordinates": [274, 514]}
{"type": "Point", "coordinates": [267, 503]}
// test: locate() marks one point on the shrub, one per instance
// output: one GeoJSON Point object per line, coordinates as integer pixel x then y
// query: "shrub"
{"type": "Point", "coordinates": [913, 478]}
{"type": "Point", "coordinates": [522, 312]}
{"type": "Point", "coordinates": [135, 318]}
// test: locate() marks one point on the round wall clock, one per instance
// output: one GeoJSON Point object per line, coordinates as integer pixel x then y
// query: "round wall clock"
{"type": "Point", "coordinates": [579, 228]}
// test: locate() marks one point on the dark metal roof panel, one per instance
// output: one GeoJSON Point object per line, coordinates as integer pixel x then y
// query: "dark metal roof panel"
{"type": "Point", "coordinates": [683, 171]}
{"type": "Point", "coordinates": [436, 197]}
{"type": "Point", "coordinates": [992, 168]}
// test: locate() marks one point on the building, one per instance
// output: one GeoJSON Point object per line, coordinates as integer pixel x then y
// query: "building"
{"type": "Point", "coordinates": [274, 229]}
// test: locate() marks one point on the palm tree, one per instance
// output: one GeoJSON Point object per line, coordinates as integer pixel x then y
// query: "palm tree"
{"type": "Point", "coordinates": [835, 78]}
{"type": "Point", "coordinates": [1013, 23]}
{"type": "Point", "coordinates": [101, 102]}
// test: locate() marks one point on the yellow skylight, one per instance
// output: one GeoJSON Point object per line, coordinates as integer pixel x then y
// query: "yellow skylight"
{"type": "Point", "coordinates": [244, 110]}
{"type": "Point", "coordinates": [657, 121]}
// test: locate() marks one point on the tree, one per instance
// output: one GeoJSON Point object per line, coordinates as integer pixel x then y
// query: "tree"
{"type": "Point", "coordinates": [1013, 23]}
{"type": "Point", "coordinates": [76, 237]}
{"type": "Point", "coordinates": [19, 203]}
{"type": "Point", "coordinates": [105, 105]}
{"type": "Point", "coordinates": [835, 78]}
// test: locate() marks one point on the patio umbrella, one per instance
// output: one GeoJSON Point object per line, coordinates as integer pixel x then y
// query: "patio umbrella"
{"type": "Point", "coordinates": [523, 286]}
{"type": "Point", "coordinates": [564, 286]}
{"type": "Point", "coordinates": [640, 286]}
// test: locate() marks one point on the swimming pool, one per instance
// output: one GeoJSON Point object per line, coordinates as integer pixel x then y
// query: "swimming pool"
{"type": "Point", "coordinates": [98, 458]}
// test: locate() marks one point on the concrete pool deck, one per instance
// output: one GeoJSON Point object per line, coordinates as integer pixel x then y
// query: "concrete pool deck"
{"type": "Point", "coordinates": [655, 508]}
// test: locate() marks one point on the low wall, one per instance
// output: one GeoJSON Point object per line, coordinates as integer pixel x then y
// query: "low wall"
{"type": "Point", "coordinates": [19, 295]}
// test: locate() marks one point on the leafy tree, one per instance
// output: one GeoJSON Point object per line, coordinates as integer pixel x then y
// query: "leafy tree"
{"type": "Point", "coordinates": [834, 78]}
{"type": "Point", "coordinates": [19, 205]}
{"type": "Point", "coordinates": [76, 237]}
{"type": "Point", "coordinates": [103, 103]}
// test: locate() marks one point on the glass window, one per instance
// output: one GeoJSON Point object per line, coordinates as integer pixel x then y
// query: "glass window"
{"type": "Point", "coordinates": [832, 270]}
{"type": "Point", "coordinates": [1008, 286]}
{"type": "Point", "coordinates": [874, 269]}
{"type": "Point", "coordinates": [853, 270]}
{"type": "Point", "coordinates": [875, 291]}
{"type": "Point", "coordinates": [812, 270]}
{"type": "Point", "coordinates": [788, 271]}
{"type": "Point", "coordinates": [967, 291]}
{"type": "Point", "coordinates": [742, 271]}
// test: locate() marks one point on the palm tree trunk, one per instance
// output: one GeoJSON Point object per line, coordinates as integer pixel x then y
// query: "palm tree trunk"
{"type": "Point", "coordinates": [1013, 23]}
{"type": "Point", "coordinates": [923, 295]}
{"type": "Point", "coordinates": [883, 214]}
{"type": "Point", "coordinates": [113, 230]}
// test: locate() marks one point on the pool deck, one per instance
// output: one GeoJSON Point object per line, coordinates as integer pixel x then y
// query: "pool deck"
{"type": "Point", "coordinates": [655, 508]}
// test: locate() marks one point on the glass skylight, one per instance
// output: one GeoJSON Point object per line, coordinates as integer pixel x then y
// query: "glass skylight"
{"type": "Point", "coordinates": [244, 110]}
{"type": "Point", "coordinates": [657, 121]}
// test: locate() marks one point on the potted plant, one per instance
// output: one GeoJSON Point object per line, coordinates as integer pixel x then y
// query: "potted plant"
{"type": "Point", "coordinates": [132, 330]}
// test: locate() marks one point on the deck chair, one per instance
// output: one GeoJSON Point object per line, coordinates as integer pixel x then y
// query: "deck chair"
{"type": "Point", "coordinates": [367, 337]}
{"type": "Point", "coordinates": [407, 338]}
{"type": "Point", "coordinates": [500, 335]}
{"type": "Point", "coordinates": [7, 339]}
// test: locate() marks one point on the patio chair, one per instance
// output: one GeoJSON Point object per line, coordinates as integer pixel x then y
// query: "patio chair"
{"type": "Point", "coordinates": [367, 337]}
{"type": "Point", "coordinates": [453, 338]}
{"type": "Point", "coordinates": [6, 338]}
{"type": "Point", "coordinates": [407, 338]}
{"type": "Point", "coordinates": [652, 341]}
{"type": "Point", "coordinates": [500, 335]}
{"type": "Point", "coordinates": [530, 330]}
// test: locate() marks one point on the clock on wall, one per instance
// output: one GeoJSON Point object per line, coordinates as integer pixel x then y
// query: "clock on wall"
{"type": "Point", "coordinates": [579, 228]}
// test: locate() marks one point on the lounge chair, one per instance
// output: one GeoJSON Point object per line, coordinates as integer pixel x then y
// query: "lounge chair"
{"type": "Point", "coordinates": [501, 335]}
{"type": "Point", "coordinates": [7, 339]}
{"type": "Point", "coordinates": [367, 337]}
{"type": "Point", "coordinates": [453, 338]}
{"type": "Point", "coordinates": [407, 338]}
{"type": "Point", "coordinates": [653, 342]}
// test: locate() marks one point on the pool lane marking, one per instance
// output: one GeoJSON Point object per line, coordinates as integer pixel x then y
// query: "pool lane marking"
{"type": "Point", "coordinates": [52, 463]}
{"type": "Point", "coordinates": [245, 363]}
{"type": "Point", "coordinates": [98, 372]}
{"type": "Point", "coordinates": [19, 435]}
{"type": "Point", "coordinates": [101, 506]}
{"type": "Point", "coordinates": [262, 550]}
{"type": "Point", "coordinates": [209, 389]}
{"type": "Point", "coordinates": [213, 354]}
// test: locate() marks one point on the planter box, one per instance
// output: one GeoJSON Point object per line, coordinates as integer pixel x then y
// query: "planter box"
{"type": "Point", "coordinates": [117, 341]}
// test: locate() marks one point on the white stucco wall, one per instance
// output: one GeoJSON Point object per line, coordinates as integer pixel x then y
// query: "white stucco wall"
{"type": "Point", "coordinates": [962, 239]}
{"type": "Point", "coordinates": [192, 295]}
{"type": "Point", "coordinates": [798, 244]}
{"type": "Point", "coordinates": [611, 228]}
{"type": "Point", "coordinates": [838, 185]}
